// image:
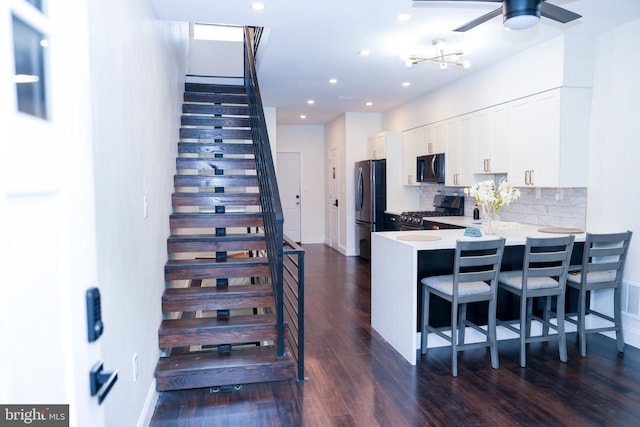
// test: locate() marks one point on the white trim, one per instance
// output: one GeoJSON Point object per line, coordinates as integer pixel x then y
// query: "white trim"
{"type": "Point", "coordinates": [149, 406]}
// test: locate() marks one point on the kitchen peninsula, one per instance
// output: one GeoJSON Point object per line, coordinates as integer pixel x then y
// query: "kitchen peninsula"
{"type": "Point", "coordinates": [399, 259]}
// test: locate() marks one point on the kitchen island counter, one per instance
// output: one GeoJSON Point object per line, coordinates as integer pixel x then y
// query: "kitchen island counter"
{"type": "Point", "coordinates": [399, 260]}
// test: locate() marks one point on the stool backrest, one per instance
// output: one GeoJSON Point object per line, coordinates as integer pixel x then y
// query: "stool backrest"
{"type": "Point", "coordinates": [547, 257]}
{"type": "Point", "coordinates": [477, 261]}
{"type": "Point", "coordinates": [606, 252]}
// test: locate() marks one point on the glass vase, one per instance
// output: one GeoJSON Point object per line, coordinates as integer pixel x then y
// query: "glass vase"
{"type": "Point", "coordinates": [490, 220]}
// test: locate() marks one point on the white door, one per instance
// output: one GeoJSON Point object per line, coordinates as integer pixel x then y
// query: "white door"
{"type": "Point", "coordinates": [47, 234]}
{"type": "Point", "coordinates": [334, 181]}
{"type": "Point", "coordinates": [289, 186]}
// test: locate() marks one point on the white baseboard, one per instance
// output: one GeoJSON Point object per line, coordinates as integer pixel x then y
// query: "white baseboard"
{"type": "Point", "coordinates": [149, 406]}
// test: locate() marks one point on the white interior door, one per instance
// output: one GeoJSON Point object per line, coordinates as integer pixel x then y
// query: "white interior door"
{"type": "Point", "coordinates": [334, 181]}
{"type": "Point", "coordinates": [289, 186]}
{"type": "Point", "coordinates": [47, 234]}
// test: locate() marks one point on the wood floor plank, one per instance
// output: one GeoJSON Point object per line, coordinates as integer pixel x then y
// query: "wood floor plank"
{"type": "Point", "coordinates": [357, 379]}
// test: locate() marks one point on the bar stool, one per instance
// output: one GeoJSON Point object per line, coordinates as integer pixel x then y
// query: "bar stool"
{"type": "Point", "coordinates": [474, 279]}
{"type": "Point", "coordinates": [603, 262]}
{"type": "Point", "coordinates": [543, 274]}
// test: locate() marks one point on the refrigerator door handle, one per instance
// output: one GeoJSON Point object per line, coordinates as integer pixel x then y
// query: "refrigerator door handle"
{"type": "Point", "coordinates": [360, 191]}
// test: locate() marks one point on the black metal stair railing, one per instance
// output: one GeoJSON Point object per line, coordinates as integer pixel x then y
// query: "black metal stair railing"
{"type": "Point", "coordinates": [267, 184]}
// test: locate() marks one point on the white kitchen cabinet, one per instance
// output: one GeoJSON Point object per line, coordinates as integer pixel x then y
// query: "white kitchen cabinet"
{"type": "Point", "coordinates": [458, 160]}
{"type": "Point", "coordinates": [548, 137]}
{"type": "Point", "coordinates": [377, 146]}
{"type": "Point", "coordinates": [411, 144]}
{"type": "Point", "coordinates": [433, 138]}
{"type": "Point", "coordinates": [490, 140]}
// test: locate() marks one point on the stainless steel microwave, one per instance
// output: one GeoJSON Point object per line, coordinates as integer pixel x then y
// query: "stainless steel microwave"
{"type": "Point", "coordinates": [430, 168]}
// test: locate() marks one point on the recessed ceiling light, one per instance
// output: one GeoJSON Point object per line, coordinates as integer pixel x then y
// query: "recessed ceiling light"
{"type": "Point", "coordinates": [310, 101]}
{"type": "Point", "coordinates": [364, 52]}
{"type": "Point", "coordinates": [406, 84]}
{"type": "Point", "coordinates": [257, 6]}
{"type": "Point", "coordinates": [403, 17]}
{"type": "Point", "coordinates": [369, 104]}
{"type": "Point", "coordinates": [302, 116]}
{"type": "Point", "coordinates": [333, 81]}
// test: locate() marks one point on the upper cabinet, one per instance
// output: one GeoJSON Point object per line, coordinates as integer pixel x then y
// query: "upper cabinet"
{"type": "Point", "coordinates": [377, 146]}
{"type": "Point", "coordinates": [458, 159]}
{"type": "Point", "coordinates": [433, 139]}
{"type": "Point", "coordinates": [490, 140]}
{"type": "Point", "coordinates": [548, 137]}
{"type": "Point", "coordinates": [411, 145]}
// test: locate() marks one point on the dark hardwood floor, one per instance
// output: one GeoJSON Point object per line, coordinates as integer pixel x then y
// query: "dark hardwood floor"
{"type": "Point", "coordinates": [356, 379]}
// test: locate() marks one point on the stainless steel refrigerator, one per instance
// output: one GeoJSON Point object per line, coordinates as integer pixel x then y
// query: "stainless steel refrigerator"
{"type": "Point", "coordinates": [371, 202]}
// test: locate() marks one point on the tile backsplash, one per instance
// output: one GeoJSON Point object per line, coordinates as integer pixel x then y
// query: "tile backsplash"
{"type": "Point", "coordinates": [553, 207]}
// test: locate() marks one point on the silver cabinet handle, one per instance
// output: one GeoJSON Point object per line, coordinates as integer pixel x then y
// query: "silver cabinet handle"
{"type": "Point", "coordinates": [531, 177]}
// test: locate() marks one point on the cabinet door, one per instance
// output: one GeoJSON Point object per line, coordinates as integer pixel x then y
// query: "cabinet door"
{"type": "Point", "coordinates": [439, 144]}
{"type": "Point", "coordinates": [458, 168]}
{"type": "Point", "coordinates": [490, 140]}
{"type": "Point", "coordinates": [534, 135]}
{"type": "Point", "coordinates": [410, 148]}
{"type": "Point", "coordinates": [426, 142]}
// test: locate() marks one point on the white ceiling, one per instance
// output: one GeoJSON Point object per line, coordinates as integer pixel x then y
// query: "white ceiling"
{"type": "Point", "coordinates": [309, 42]}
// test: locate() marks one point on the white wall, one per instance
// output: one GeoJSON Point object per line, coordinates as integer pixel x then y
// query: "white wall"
{"type": "Point", "coordinates": [309, 142]}
{"type": "Point", "coordinates": [615, 152]}
{"type": "Point", "coordinates": [216, 58]}
{"type": "Point", "coordinates": [138, 66]}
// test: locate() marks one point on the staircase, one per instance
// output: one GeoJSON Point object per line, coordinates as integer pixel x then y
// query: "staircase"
{"type": "Point", "coordinates": [219, 324]}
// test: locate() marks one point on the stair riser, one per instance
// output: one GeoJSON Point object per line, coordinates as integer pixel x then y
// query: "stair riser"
{"type": "Point", "coordinates": [214, 98]}
{"type": "Point", "coordinates": [217, 337]}
{"type": "Point", "coordinates": [182, 247]}
{"type": "Point", "coordinates": [217, 304]}
{"type": "Point", "coordinates": [216, 272]}
{"type": "Point", "coordinates": [215, 222]}
{"type": "Point", "coordinates": [237, 122]}
{"type": "Point", "coordinates": [214, 88]}
{"type": "Point", "coordinates": [193, 133]}
{"type": "Point", "coordinates": [215, 181]}
{"type": "Point", "coordinates": [233, 110]}
{"type": "Point", "coordinates": [211, 148]}
{"type": "Point", "coordinates": [228, 376]}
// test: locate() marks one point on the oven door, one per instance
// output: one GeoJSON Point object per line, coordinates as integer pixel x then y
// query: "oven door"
{"type": "Point", "coordinates": [434, 225]}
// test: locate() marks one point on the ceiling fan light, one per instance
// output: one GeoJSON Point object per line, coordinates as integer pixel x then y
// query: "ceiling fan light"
{"type": "Point", "coordinates": [443, 65]}
{"type": "Point", "coordinates": [521, 22]}
{"type": "Point", "coordinates": [521, 14]}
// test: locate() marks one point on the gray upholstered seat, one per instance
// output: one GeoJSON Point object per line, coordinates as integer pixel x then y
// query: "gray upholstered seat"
{"type": "Point", "coordinates": [474, 279]}
{"type": "Point", "coordinates": [543, 275]}
{"type": "Point", "coordinates": [602, 267]}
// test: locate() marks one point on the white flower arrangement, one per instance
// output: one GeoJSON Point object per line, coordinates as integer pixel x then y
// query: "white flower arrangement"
{"type": "Point", "coordinates": [490, 198]}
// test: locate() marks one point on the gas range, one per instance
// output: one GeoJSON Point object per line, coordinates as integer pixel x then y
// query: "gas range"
{"type": "Point", "coordinates": [444, 204]}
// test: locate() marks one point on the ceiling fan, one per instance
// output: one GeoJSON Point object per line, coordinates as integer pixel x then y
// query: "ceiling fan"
{"type": "Point", "coordinates": [519, 14]}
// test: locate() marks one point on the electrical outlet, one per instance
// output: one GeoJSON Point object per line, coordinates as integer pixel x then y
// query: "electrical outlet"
{"type": "Point", "coordinates": [135, 367]}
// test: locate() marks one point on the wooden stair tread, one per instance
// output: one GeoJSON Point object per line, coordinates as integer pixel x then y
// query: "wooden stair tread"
{"type": "Point", "coordinates": [214, 87]}
{"type": "Point", "coordinates": [233, 291]}
{"type": "Point", "coordinates": [210, 368]}
{"type": "Point", "coordinates": [228, 122]}
{"type": "Point", "coordinates": [195, 362]}
{"type": "Point", "coordinates": [213, 238]}
{"type": "Point", "coordinates": [234, 110]}
{"type": "Point", "coordinates": [212, 220]}
{"type": "Point", "coordinates": [237, 323]}
{"type": "Point", "coordinates": [216, 263]}
{"type": "Point", "coordinates": [212, 148]}
{"type": "Point", "coordinates": [215, 133]}
{"type": "Point", "coordinates": [215, 181]}
{"type": "Point", "coordinates": [217, 98]}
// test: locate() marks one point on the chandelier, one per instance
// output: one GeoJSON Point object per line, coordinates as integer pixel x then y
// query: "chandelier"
{"type": "Point", "coordinates": [444, 59]}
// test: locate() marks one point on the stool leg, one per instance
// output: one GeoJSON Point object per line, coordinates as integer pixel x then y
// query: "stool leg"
{"type": "Point", "coordinates": [582, 308]}
{"type": "Point", "coordinates": [617, 315]}
{"type": "Point", "coordinates": [491, 330]}
{"type": "Point", "coordinates": [454, 339]}
{"type": "Point", "coordinates": [425, 320]}
{"type": "Point", "coordinates": [524, 329]}
{"type": "Point", "coordinates": [562, 342]}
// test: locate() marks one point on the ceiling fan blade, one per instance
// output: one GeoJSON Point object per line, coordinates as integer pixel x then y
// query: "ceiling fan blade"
{"type": "Point", "coordinates": [557, 13]}
{"type": "Point", "coordinates": [484, 18]}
